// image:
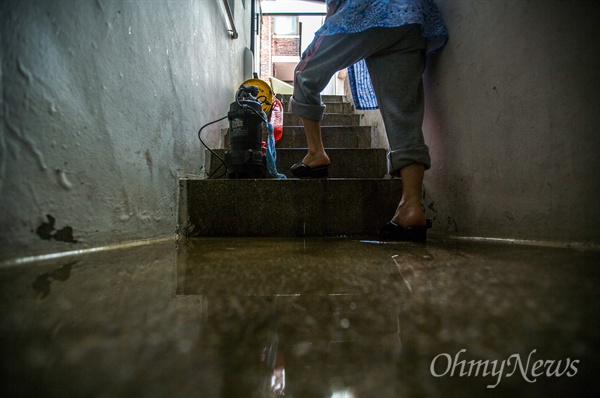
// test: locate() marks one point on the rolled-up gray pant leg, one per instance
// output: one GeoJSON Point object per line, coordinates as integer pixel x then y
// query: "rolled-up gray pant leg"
{"type": "Point", "coordinates": [310, 78]}
{"type": "Point", "coordinates": [395, 58]}
{"type": "Point", "coordinates": [328, 54]}
{"type": "Point", "coordinates": [396, 74]}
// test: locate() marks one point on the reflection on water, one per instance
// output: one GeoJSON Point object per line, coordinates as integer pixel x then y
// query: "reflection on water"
{"type": "Point", "coordinates": [304, 319]}
{"type": "Point", "coordinates": [327, 317]}
{"type": "Point", "coordinates": [42, 282]}
{"type": "Point", "coordinates": [245, 317]}
{"type": "Point", "coordinates": [307, 345]}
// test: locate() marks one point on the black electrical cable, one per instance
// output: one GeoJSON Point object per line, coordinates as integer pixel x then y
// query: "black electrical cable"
{"type": "Point", "coordinates": [261, 115]}
{"type": "Point", "coordinates": [263, 99]}
{"type": "Point", "coordinates": [211, 151]}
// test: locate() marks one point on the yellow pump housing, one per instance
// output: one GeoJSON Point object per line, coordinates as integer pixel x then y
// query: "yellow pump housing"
{"type": "Point", "coordinates": [265, 93]}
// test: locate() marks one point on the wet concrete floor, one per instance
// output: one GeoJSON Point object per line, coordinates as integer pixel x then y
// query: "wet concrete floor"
{"type": "Point", "coordinates": [302, 318]}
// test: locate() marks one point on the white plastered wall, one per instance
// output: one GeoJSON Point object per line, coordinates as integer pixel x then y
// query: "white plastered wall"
{"type": "Point", "coordinates": [512, 121]}
{"type": "Point", "coordinates": [101, 104]}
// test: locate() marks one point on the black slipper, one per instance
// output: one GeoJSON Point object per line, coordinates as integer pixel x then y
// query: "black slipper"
{"type": "Point", "coordinates": [302, 170]}
{"type": "Point", "coordinates": [393, 231]}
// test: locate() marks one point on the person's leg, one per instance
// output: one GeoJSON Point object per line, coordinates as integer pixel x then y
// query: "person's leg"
{"type": "Point", "coordinates": [410, 211]}
{"type": "Point", "coordinates": [316, 156]}
{"type": "Point", "coordinates": [396, 74]}
{"type": "Point", "coordinates": [306, 101]}
{"type": "Point", "coordinates": [323, 58]}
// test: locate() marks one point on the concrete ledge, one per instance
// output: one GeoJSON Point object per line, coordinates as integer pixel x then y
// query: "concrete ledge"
{"type": "Point", "coordinates": [287, 208]}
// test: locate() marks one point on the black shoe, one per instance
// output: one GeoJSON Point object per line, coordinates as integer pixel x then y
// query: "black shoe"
{"type": "Point", "coordinates": [302, 170]}
{"type": "Point", "coordinates": [393, 231]}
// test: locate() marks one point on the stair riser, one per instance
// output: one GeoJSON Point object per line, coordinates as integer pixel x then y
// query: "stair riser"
{"type": "Point", "coordinates": [344, 108]}
{"type": "Point", "coordinates": [328, 99]}
{"type": "Point", "coordinates": [329, 119]}
{"type": "Point", "coordinates": [345, 163]}
{"type": "Point", "coordinates": [333, 137]}
{"type": "Point", "coordinates": [287, 208]}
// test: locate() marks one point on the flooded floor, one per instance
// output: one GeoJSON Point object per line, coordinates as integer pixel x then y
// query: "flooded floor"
{"type": "Point", "coordinates": [304, 318]}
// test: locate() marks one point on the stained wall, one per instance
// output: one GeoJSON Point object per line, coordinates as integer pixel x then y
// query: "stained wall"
{"type": "Point", "coordinates": [101, 105]}
{"type": "Point", "coordinates": [512, 121]}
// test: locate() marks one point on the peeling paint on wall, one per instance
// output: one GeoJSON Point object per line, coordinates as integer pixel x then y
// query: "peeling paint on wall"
{"type": "Point", "coordinates": [46, 231]}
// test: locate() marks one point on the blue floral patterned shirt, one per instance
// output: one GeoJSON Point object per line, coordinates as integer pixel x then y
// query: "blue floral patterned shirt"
{"type": "Point", "coordinates": [352, 16]}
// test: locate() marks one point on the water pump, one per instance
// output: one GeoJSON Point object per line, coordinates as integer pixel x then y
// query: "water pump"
{"type": "Point", "coordinates": [248, 156]}
{"type": "Point", "coordinates": [246, 117]}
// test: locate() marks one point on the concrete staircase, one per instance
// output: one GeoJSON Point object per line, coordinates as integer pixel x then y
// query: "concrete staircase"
{"type": "Point", "coordinates": [355, 200]}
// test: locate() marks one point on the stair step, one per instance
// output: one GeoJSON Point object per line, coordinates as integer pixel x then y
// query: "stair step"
{"type": "Point", "coordinates": [329, 119]}
{"type": "Point", "coordinates": [355, 201]}
{"type": "Point", "coordinates": [333, 137]}
{"type": "Point", "coordinates": [345, 108]}
{"type": "Point", "coordinates": [287, 208]}
{"type": "Point", "coordinates": [327, 99]}
{"type": "Point", "coordinates": [345, 163]}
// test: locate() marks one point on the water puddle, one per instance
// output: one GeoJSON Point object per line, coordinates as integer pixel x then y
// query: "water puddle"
{"type": "Point", "coordinates": [322, 317]}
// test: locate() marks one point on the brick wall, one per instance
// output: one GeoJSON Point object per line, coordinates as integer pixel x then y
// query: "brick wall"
{"type": "Point", "coordinates": [286, 46]}
{"type": "Point", "coordinates": [266, 68]}
{"type": "Point", "coordinates": [274, 46]}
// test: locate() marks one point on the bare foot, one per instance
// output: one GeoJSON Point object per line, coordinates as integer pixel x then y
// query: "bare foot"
{"type": "Point", "coordinates": [316, 159]}
{"type": "Point", "coordinates": [409, 214]}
